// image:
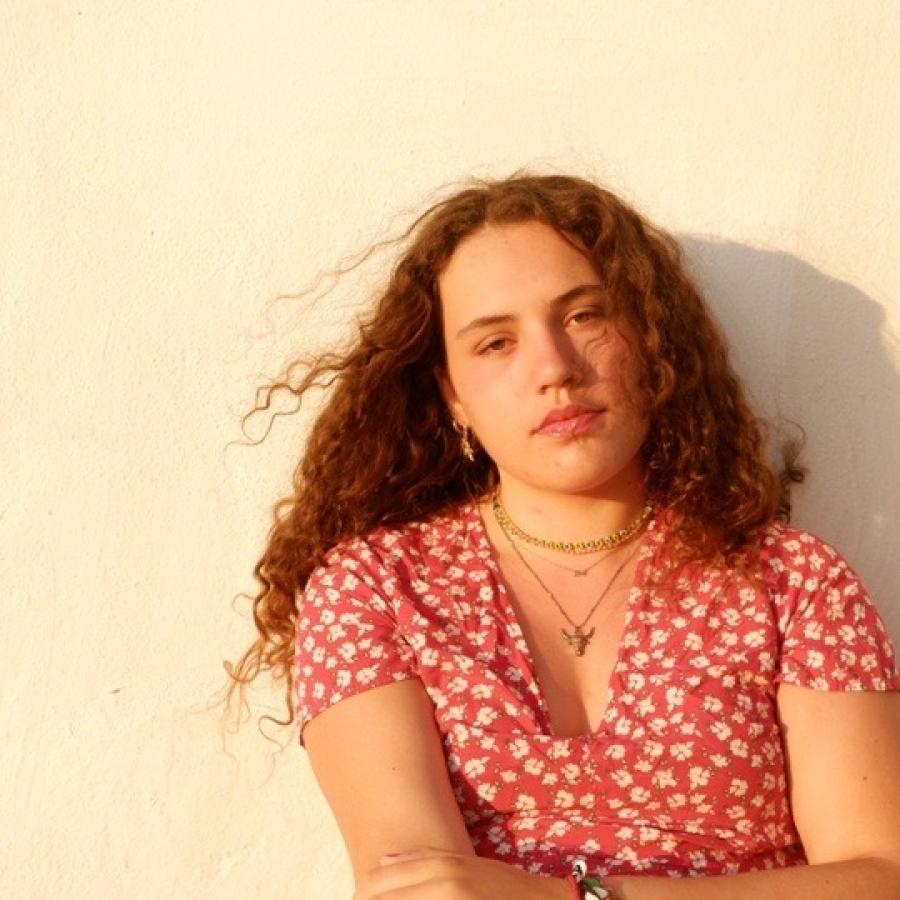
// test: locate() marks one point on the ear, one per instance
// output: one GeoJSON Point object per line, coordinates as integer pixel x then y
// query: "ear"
{"type": "Point", "coordinates": [448, 392]}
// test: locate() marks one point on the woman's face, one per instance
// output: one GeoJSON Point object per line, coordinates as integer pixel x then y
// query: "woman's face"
{"type": "Point", "coordinates": [523, 315]}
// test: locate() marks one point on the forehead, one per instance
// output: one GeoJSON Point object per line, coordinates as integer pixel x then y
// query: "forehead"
{"type": "Point", "coordinates": [525, 261]}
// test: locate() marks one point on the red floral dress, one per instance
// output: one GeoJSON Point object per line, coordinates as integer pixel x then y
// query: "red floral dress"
{"type": "Point", "coordinates": [684, 776]}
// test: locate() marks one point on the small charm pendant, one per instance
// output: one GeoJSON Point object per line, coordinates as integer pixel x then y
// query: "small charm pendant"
{"type": "Point", "coordinates": [579, 640]}
{"type": "Point", "coordinates": [580, 572]}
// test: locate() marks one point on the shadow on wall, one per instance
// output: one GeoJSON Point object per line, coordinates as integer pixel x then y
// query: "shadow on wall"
{"type": "Point", "coordinates": [816, 350]}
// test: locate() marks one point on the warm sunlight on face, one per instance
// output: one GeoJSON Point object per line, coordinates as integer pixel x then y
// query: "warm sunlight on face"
{"type": "Point", "coordinates": [523, 312]}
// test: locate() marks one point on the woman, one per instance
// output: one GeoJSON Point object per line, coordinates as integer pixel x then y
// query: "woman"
{"type": "Point", "coordinates": [537, 551]}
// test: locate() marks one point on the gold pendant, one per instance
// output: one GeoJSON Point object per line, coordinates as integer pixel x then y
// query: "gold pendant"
{"type": "Point", "coordinates": [579, 640]}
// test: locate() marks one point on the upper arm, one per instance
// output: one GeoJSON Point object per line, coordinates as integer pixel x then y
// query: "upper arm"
{"type": "Point", "coordinates": [839, 704]}
{"type": "Point", "coordinates": [364, 716]}
{"type": "Point", "coordinates": [843, 757]}
{"type": "Point", "coordinates": [379, 762]}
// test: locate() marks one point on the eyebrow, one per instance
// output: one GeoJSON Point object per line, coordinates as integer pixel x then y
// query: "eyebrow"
{"type": "Point", "coordinates": [569, 295]}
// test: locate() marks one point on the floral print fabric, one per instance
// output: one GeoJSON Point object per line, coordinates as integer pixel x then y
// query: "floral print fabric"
{"type": "Point", "coordinates": [685, 775]}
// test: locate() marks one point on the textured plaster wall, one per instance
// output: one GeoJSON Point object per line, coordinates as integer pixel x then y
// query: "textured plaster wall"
{"type": "Point", "coordinates": [168, 168]}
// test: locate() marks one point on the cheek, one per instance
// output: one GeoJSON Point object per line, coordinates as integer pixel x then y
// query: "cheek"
{"type": "Point", "coordinates": [477, 386]}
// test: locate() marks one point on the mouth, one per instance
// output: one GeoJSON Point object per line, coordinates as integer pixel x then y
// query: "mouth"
{"type": "Point", "coordinates": [572, 426]}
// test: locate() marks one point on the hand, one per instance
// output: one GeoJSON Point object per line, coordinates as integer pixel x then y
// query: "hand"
{"type": "Point", "coordinates": [431, 872]}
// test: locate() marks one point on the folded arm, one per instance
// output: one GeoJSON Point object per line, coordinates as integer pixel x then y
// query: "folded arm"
{"type": "Point", "coordinates": [843, 755]}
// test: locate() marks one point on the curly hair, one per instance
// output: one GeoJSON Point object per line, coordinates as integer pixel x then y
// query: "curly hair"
{"type": "Point", "coordinates": [383, 449]}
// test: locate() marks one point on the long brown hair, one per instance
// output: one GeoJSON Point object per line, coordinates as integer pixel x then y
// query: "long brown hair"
{"type": "Point", "coordinates": [383, 450]}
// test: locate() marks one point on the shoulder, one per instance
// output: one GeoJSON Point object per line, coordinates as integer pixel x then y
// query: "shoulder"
{"type": "Point", "coordinates": [407, 551]}
{"type": "Point", "coordinates": [810, 579]}
{"type": "Point", "coordinates": [793, 557]}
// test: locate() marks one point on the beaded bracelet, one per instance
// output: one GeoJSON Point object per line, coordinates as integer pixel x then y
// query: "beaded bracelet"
{"type": "Point", "coordinates": [584, 885]}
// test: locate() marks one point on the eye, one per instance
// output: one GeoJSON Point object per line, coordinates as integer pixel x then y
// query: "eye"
{"type": "Point", "coordinates": [593, 312]}
{"type": "Point", "coordinates": [486, 349]}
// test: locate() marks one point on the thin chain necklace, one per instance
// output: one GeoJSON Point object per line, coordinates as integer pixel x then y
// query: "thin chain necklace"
{"type": "Point", "coordinates": [610, 540]}
{"type": "Point", "coordinates": [576, 572]}
{"type": "Point", "coordinates": [579, 639]}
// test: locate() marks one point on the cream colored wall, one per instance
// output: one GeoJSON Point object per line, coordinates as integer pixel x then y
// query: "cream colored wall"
{"type": "Point", "coordinates": [168, 168]}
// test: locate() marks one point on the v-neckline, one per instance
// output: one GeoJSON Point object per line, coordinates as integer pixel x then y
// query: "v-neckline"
{"type": "Point", "coordinates": [646, 554]}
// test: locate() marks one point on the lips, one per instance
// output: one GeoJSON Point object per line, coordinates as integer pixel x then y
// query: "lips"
{"type": "Point", "coordinates": [571, 427]}
{"type": "Point", "coordinates": [562, 413]}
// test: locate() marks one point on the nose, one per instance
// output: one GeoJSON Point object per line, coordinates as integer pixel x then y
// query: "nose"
{"type": "Point", "coordinates": [555, 359]}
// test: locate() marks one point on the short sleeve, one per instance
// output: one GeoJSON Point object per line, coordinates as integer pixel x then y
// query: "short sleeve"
{"type": "Point", "coordinates": [833, 635]}
{"type": "Point", "coordinates": [346, 639]}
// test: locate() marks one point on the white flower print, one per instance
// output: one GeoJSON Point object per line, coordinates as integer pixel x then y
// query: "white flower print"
{"type": "Point", "coordinates": [693, 641]}
{"type": "Point", "coordinates": [485, 716]}
{"type": "Point", "coordinates": [658, 636]}
{"type": "Point", "coordinates": [525, 802]}
{"type": "Point", "coordinates": [815, 659]}
{"type": "Point", "coordinates": [519, 748]}
{"type": "Point", "coordinates": [675, 697]}
{"type": "Point", "coordinates": [486, 791]}
{"type": "Point", "coordinates": [682, 751]}
{"type": "Point", "coordinates": [699, 776]}
{"type": "Point", "coordinates": [813, 631]}
{"type": "Point", "coordinates": [738, 787]}
{"type": "Point", "coordinates": [663, 779]}
{"type": "Point", "coordinates": [720, 730]}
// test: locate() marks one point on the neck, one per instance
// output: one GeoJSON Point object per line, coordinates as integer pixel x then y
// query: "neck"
{"type": "Point", "coordinates": [559, 516]}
